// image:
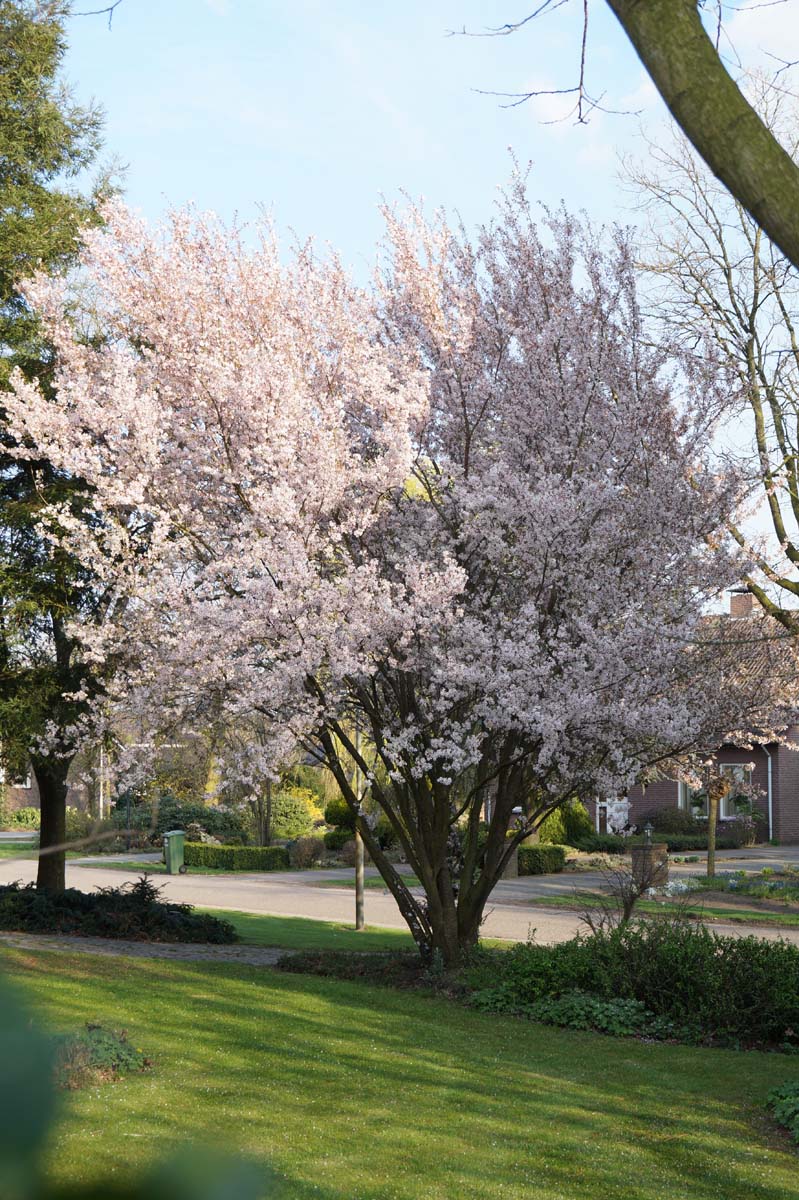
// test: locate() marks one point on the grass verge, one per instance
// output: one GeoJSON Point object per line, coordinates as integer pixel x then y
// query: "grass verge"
{"type": "Point", "coordinates": [304, 933]}
{"type": "Point", "coordinates": [698, 911]}
{"type": "Point", "coordinates": [355, 1093]}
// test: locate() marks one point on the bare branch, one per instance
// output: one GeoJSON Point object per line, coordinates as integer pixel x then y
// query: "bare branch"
{"type": "Point", "coordinates": [110, 9]}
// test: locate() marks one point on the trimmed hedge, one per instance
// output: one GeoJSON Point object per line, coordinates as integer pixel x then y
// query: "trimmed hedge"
{"type": "Point", "coordinates": [339, 813]}
{"type": "Point", "coordinates": [237, 858]}
{"type": "Point", "coordinates": [134, 912]}
{"type": "Point", "coordinates": [601, 843]}
{"type": "Point", "coordinates": [541, 860]}
{"type": "Point", "coordinates": [609, 843]}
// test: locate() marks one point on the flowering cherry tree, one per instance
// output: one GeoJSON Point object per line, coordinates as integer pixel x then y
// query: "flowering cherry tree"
{"type": "Point", "coordinates": [463, 512]}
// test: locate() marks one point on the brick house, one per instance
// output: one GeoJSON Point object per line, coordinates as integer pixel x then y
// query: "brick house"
{"type": "Point", "coordinates": [23, 793]}
{"type": "Point", "coordinates": [774, 771]}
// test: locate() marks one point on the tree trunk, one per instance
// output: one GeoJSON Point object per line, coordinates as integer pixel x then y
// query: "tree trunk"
{"type": "Point", "coordinates": [267, 832]}
{"type": "Point", "coordinates": [52, 782]}
{"type": "Point", "coordinates": [712, 112]}
{"type": "Point", "coordinates": [712, 821]}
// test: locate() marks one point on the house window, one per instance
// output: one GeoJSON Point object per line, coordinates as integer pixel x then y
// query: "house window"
{"type": "Point", "coordinates": [16, 783]}
{"type": "Point", "coordinates": [694, 800]}
{"type": "Point", "coordinates": [739, 775]}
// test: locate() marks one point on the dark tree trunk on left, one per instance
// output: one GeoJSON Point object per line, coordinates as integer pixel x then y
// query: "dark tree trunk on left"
{"type": "Point", "coordinates": [51, 777]}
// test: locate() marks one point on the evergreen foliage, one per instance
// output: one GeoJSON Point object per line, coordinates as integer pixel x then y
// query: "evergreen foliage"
{"type": "Point", "coordinates": [46, 141]}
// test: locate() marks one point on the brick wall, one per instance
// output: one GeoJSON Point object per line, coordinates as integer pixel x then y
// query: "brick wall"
{"type": "Point", "coordinates": [20, 797]}
{"type": "Point", "coordinates": [786, 790]}
{"type": "Point", "coordinates": [664, 793]}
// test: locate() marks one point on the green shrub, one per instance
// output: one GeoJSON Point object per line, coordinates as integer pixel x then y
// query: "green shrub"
{"type": "Point", "coordinates": [727, 989]}
{"type": "Point", "coordinates": [155, 818]}
{"type": "Point", "coordinates": [385, 833]}
{"type": "Point", "coordinates": [133, 911]}
{"type": "Point", "coordinates": [541, 860]}
{"type": "Point", "coordinates": [671, 820]}
{"type": "Point", "coordinates": [339, 814]}
{"type": "Point", "coordinates": [565, 825]}
{"type": "Point", "coordinates": [576, 822]}
{"type": "Point", "coordinates": [237, 858]}
{"type": "Point", "coordinates": [553, 829]}
{"type": "Point", "coordinates": [783, 1104]}
{"type": "Point", "coordinates": [94, 1055]}
{"type": "Point", "coordinates": [26, 818]}
{"type": "Point", "coordinates": [335, 839]}
{"type": "Point", "coordinates": [294, 813]}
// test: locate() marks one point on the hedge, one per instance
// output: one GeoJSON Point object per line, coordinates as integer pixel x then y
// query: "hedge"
{"type": "Point", "coordinates": [541, 860]}
{"type": "Point", "coordinates": [237, 858]}
{"type": "Point", "coordinates": [609, 843]}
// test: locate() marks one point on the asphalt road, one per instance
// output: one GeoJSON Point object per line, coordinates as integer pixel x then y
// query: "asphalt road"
{"type": "Point", "coordinates": [297, 894]}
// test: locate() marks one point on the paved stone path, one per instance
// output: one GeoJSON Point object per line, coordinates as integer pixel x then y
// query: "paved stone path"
{"type": "Point", "coordinates": [254, 956]}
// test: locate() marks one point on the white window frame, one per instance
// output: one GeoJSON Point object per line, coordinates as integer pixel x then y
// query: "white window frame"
{"type": "Point", "coordinates": [727, 809]}
{"type": "Point", "coordinates": [743, 774]}
{"type": "Point", "coordinates": [24, 783]}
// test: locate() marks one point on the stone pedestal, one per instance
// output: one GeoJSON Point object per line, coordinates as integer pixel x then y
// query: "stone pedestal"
{"type": "Point", "coordinates": [651, 864]}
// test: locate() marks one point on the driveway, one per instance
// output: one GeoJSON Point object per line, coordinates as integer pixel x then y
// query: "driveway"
{"type": "Point", "coordinates": [297, 894]}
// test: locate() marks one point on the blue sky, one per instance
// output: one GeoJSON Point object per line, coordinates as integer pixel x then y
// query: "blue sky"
{"type": "Point", "coordinates": [314, 110]}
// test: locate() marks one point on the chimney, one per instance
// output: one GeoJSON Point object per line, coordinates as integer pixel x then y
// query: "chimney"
{"type": "Point", "coordinates": [741, 602]}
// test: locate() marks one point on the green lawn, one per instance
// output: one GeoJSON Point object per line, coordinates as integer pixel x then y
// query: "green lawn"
{"type": "Point", "coordinates": [698, 909]}
{"type": "Point", "coordinates": [157, 868]}
{"type": "Point", "coordinates": [18, 849]}
{"type": "Point", "coordinates": [356, 1093]}
{"type": "Point", "coordinates": [303, 933]}
{"type": "Point", "coordinates": [371, 881]}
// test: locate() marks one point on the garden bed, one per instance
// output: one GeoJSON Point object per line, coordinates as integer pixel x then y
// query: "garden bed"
{"type": "Point", "coordinates": [133, 912]}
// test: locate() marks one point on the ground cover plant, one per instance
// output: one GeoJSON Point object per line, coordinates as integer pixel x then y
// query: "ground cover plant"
{"type": "Point", "coordinates": [783, 1104]}
{"type": "Point", "coordinates": [769, 884]}
{"type": "Point", "coordinates": [494, 1109]}
{"type": "Point", "coordinates": [96, 1054]}
{"type": "Point", "coordinates": [133, 911]}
